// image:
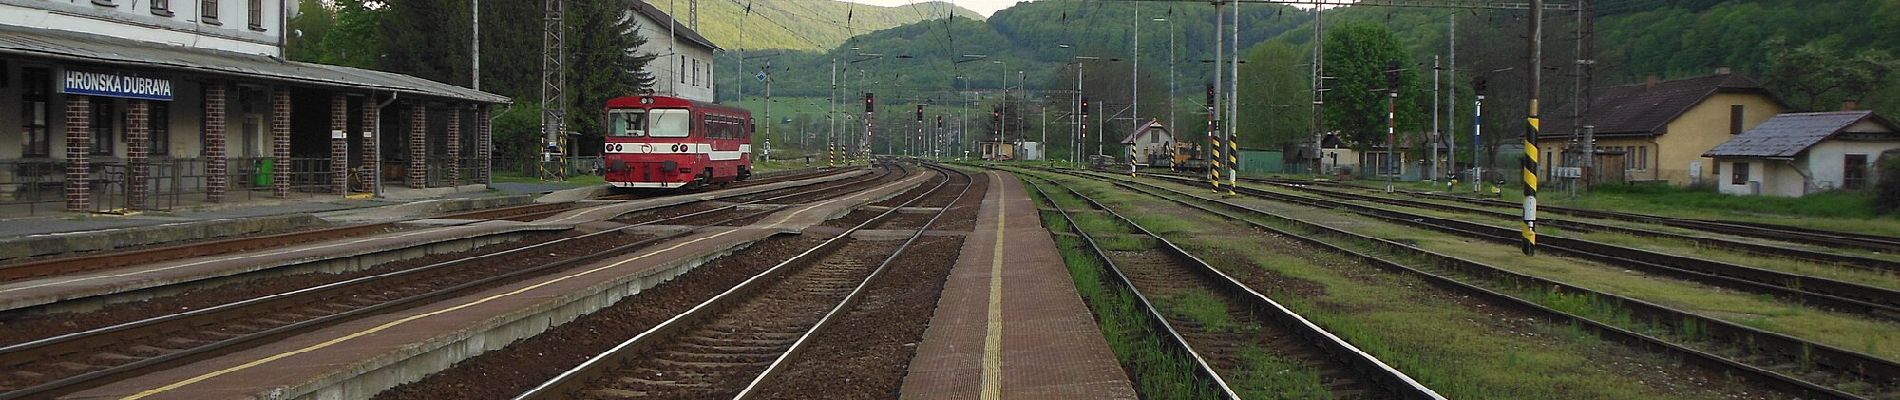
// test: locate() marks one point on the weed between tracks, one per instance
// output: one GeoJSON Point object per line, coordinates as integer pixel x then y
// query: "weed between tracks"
{"type": "Point", "coordinates": [1759, 311]}
{"type": "Point", "coordinates": [1157, 372]}
{"type": "Point", "coordinates": [1458, 346]}
{"type": "Point", "coordinates": [1877, 278]}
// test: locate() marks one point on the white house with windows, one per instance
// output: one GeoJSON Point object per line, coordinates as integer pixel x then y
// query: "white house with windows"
{"type": "Point", "coordinates": [683, 66]}
{"type": "Point", "coordinates": [147, 104]}
{"type": "Point", "coordinates": [1795, 154]}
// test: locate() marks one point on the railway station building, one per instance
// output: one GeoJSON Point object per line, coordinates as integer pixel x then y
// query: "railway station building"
{"type": "Point", "coordinates": [143, 105]}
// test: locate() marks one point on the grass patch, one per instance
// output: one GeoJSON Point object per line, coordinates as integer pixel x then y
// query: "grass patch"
{"type": "Point", "coordinates": [1202, 308]}
{"type": "Point", "coordinates": [1287, 380]}
{"type": "Point", "coordinates": [1460, 351]}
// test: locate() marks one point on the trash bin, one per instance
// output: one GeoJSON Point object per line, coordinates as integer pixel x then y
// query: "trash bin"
{"type": "Point", "coordinates": [266, 172]}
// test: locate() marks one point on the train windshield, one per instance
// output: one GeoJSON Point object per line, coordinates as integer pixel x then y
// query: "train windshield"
{"type": "Point", "coordinates": [642, 122]}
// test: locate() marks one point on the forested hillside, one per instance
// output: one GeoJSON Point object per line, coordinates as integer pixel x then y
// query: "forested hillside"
{"type": "Point", "coordinates": [801, 24]}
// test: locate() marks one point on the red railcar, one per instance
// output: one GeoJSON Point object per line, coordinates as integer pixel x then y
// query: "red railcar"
{"type": "Point", "coordinates": [670, 142]}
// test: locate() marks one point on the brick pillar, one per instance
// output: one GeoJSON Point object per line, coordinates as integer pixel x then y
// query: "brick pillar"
{"type": "Point", "coordinates": [215, 179]}
{"type": "Point", "coordinates": [371, 163]}
{"type": "Point", "coordinates": [455, 146]}
{"type": "Point", "coordinates": [484, 149]}
{"type": "Point", "coordinates": [138, 138]}
{"type": "Point", "coordinates": [280, 142]}
{"type": "Point", "coordinates": [339, 144]}
{"type": "Point", "coordinates": [418, 145]}
{"type": "Point", "coordinates": [78, 145]}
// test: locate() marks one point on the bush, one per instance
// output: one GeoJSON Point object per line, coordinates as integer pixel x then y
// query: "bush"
{"type": "Point", "coordinates": [1887, 191]}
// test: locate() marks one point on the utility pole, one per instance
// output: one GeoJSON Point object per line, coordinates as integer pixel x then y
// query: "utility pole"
{"type": "Point", "coordinates": [1477, 136]}
{"type": "Point", "coordinates": [1437, 135]}
{"type": "Point", "coordinates": [1319, 87]}
{"type": "Point", "coordinates": [1213, 101]}
{"type": "Point", "coordinates": [1451, 98]}
{"type": "Point", "coordinates": [831, 113]}
{"type": "Point", "coordinates": [1171, 62]}
{"type": "Point", "coordinates": [1391, 125]}
{"type": "Point", "coordinates": [1586, 61]}
{"type": "Point", "coordinates": [1233, 107]}
{"type": "Point", "coordinates": [1134, 89]}
{"type": "Point", "coordinates": [553, 89]}
{"type": "Point", "coordinates": [1530, 133]}
{"type": "Point", "coordinates": [475, 45]}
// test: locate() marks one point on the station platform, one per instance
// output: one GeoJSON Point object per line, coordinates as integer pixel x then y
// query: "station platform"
{"type": "Point", "coordinates": [360, 358]}
{"type": "Point", "coordinates": [427, 237]}
{"type": "Point", "coordinates": [1010, 324]}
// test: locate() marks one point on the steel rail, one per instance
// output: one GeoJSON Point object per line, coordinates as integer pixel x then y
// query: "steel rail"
{"type": "Point", "coordinates": [1836, 239]}
{"type": "Point", "coordinates": [115, 259]}
{"type": "Point", "coordinates": [1858, 262]}
{"type": "Point", "coordinates": [780, 364]}
{"type": "Point", "coordinates": [568, 382]}
{"type": "Point", "coordinates": [26, 352]}
{"type": "Point", "coordinates": [1367, 365]}
{"type": "Point", "coordinates": [1838, 295]}
{"type": "Point", "coordinates": [1783, 348]}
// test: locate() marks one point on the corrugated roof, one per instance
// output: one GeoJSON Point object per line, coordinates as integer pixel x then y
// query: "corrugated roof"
{"type": "Point", "coordinates": [1787, 135]}
{"type": "Point", "coordinates": [1637, 110]}
{"type": "Point", "coordinates": [665, 19]}
{"type": "Point", "coordinates": [85, 47]}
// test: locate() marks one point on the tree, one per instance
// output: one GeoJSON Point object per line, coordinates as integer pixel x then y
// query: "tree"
{"type": "Point", "coordinates": [307, 29]}
{"type": "Point", "coordinates": [1275, 97]}
{"type": "Point", "coordinates": [1358, 54]}
{"type": "Point", "coordinates": [1818, 73]}
{"type": "Point", "coordinates": [603, 62]}
{"type": "Point", "coordinates": [355, 40]}
{"type": "Point", "coordinates": [427, 39]}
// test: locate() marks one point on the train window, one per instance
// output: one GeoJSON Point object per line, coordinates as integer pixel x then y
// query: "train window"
{"type": "Point", "coordinates": [626, 123]}
{"type": "Point", "coordinates": [639, 122]}
{"type": "Point", "coordinates": [669, 123]}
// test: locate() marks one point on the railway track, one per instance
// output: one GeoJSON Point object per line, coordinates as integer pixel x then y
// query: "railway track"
{"type": "Point", "coordinates": [1821, 292]}
{"type": "Point", "coordinates": [1164, 270]}
{"type": "Point", "coordinates": [64, 363]}
{"type": "Point", "coordinates": [118, 259]}
{"type": "Point", "coordinates": [1835, 239]}
{"type": "Point", "coordinates": [1835, 258]}
{"type": "Point", "coordinates": [730, 343]}
{"type": "Point", "coordinates": [1790, 364]}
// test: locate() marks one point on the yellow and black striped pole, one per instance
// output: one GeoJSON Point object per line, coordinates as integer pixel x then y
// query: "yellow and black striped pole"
{"type": "Point", "coordinates": [1530, 134]}
{"type": "Point", "coordinates": [1233, 161]}
{"type": "Point", "coordinates": [1214, 159]}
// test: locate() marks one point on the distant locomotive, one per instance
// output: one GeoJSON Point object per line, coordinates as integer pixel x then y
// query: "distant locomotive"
{"type": "Point", "coordinates": [661, 142]}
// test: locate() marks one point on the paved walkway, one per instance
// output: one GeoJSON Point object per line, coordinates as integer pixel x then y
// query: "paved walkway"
{"type": "Point", "coordinates": [1010, 324]}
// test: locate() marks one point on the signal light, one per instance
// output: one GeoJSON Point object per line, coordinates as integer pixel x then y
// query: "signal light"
{"type": "Point", "coordinates": [920, 113]}
{"type": "Point", "coordinates": [1085, 106]}
{"type": "Point", "coordinates": [867, 102]}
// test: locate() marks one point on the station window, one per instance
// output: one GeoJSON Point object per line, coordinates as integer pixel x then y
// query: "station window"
{"type": "Point", "coordinates": [162, 7]}
{"type": "Point", "coordinates": [102, 118]}
{"type": "Point", "coordinates": [208, 11]}
{"type": "Point", "coordinates": [1854, 172]}
{"type": "Point", "coordinates": [1740, 177]}
{"type": "Point", "coordinates": [257, 14]}
{"type": "Point", "coordinates": [159, 118]}
{"type": "Point", "coordinates": [35, 85]}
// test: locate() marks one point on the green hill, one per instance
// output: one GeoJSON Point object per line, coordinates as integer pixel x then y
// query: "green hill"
{"type": "Point", "coordinates": [801, 24]}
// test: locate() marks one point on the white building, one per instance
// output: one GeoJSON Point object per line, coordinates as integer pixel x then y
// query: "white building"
{"type": "Point", "coordinates": [144, 104]}
{"type": "Point", "coordinates": [1795, 154]}
{"type": "Point", "coordinates": [684, 63]}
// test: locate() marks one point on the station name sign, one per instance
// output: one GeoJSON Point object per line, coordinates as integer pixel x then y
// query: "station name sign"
{"type": "Point", "coordinates": [116, 85]}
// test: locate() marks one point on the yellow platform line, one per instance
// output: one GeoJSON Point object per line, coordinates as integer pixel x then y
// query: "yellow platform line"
{"type": "Point", "coordinates": [993, 337]}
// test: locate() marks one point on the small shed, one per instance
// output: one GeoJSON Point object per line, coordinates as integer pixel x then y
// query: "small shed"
{"type": "Point", "coordinates": [1152, 144]}
{"type": "Point", "coordinates": [1794, 154]}
{"type": "Point", "coordinates": [998, 151]}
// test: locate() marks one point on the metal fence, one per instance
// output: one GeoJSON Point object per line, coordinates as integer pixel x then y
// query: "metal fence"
{"type": "Point", "coordinates": [31, 187]}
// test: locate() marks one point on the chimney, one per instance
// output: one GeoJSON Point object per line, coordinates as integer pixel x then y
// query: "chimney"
{"type": "Point", "coordinates": [1849, 105]}
{"type": "Point", "coordinates": [1650, 85]}
{"type": "Point", "coordinates": [1723, 71]}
